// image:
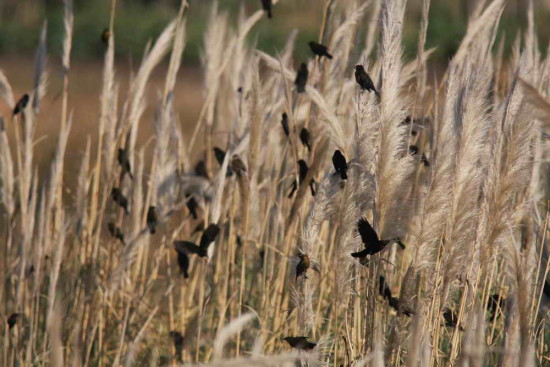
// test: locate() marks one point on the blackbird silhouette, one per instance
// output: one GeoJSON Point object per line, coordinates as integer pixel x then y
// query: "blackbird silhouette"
{"type": "Point", "coordinates": [238, 166]}
{"type": "Point", "coordinates": [372, 243]}
{"type": "Point", "coordinates": [192, 206]}
{"type": "Point", "coordinates": [299, 342]}
{"type": "Point", "coordinates": [546, 289]}
{"type": "Point", "coordinates": [303, 265]}
{"type": "Point", "coordinates": [424, 160]}
{"type": "Point", "coordinates": [200, 169]}
{"type": "Point", "coordinates": [301, 78]}
{"type": "Point", "coordinates": [21, 104]}
{"type": "Point", "coordinates": [450, 318]}
{"type": "Point", "coordinates": [220, 157]}
{"type": "Point", "coordinates": [340, 164]}
{"type": "Point", "coordinates": [364, 80]}
{"type": "Point", "coordinates": [266, 4]}
{"type": "Point", "coordinates": [124, 163]}
{"type": "Point", "coordinates": [319, 50]}
{"type": "Point", "coordinates": [177, 339]}
{"type": "Point", "coordinates": [413, 150]}
{"type": "Point", "coordinates": [305, 138]}
{"type": "Point", "coordinates": [385, 291]}
{"type": "Point", "coordinates": [12, 320]}
{"type": "Point", "coordinates": [105, 35]}
{"type": "Point", "coordinates": [302, 173]}
{"type": "Point", "coordinates": [152, 219]}
{"type": "Point", "coordinates": [186, 248]}
{"type": "Point", "coordinates": [120, 199]}
{"type": "Point", "coordinates": [116, 232]}
{"type": "Point", "coordinates": [496, 303]}
{"type": "Point", "coordinates": [284, 124]}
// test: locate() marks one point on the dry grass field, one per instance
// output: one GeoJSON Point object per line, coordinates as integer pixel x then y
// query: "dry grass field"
{"type": "Point", "coordinates": [278, 210]}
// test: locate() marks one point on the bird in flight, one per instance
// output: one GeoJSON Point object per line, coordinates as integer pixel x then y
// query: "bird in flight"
{"type": "Point", "coordinates": [186, 248]}
{"type": "Point", "coordinates": [372, 243]}
{"type": "Point", "coordinates": [299, 342]}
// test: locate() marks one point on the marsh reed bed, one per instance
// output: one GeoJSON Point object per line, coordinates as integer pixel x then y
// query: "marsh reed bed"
{"type": "Point", "coordinates": [217, 246]}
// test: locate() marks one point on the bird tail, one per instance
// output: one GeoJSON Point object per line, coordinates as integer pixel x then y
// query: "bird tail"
{"type": "Point", "coordinates": [344, 175]}
{"type": "Point", "coordinates": [398, 241]}
{"type": "Point", "coordinates": [131, 175]}
{"type": "Point", "coordinates": [377, 94]}
{"type": "Point", "coordinates": [269, 14]}
{"type": "Point", "coordinates": [329, 56]}
{"type": "Point", "coordinates": [359, 254]}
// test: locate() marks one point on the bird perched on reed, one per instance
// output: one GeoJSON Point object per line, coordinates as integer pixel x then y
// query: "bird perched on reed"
{"type": "Point", "coordinates": [450, 318]}
{"type": "Point", "coordinates": [305, 138]}
{"type": "Point", "coordinates": [372, 243]}
{"type": "Point", "coordinates": [302, 173]}
{"type": "Point", "coordinates": [300, 342]}
{"type": "Point", "coordinates": [200, 169]}
{"type": "Point", "coordinates": [186, 248]}
{"type": "Point", "coordinates": [364, 80]}
{"type": "Point", "coordinates": [495, 305]}
{"type": "Point", "coordinates": [124, 163]}
{"type": "Point", "coordinates": [120, 199]}
{"type": "Point", "coordinates": [152, 219]}
{"type": "Point", "coordinates": [12, 320]}
{"type": "Point", "coordinates": [116, 232]}
{"type": "Point", "coordinates": [238, 166]}
{"type": "Point", "coordinates": [192, 205]}
{"type": "Point", "coordinates": [177, 339]}
{"type": "Point", "coordinates": [267, 4]}
{"type": "Point", "coordinates": [21, 104]}
{"type": "Point", "coordinates": [220, 157]}
{"type": "Point", "coordinates": [340, 164]}
{"type": "Point", "coordinates": [303, 265]}
{"type": "Point", "coordinates": [319, 50]}
{"type": "Point", "coordinates": [301, 78]}
{"type": "Point", "coordinates": [105, 35]}
{"type": "Point", "coordinates": [284, 124]}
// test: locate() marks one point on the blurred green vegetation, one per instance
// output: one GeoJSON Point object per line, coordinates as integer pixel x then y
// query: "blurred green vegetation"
{"type": "Point", "coordinates": [139, 21]}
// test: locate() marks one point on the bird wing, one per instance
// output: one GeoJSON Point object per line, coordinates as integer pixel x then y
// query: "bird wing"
{"type": "Point", "coordinates": [186, 247]}
{"type": "Point", "coordinates": [368, 234]}
{"type": "Point", "coordinates": [209, 235]}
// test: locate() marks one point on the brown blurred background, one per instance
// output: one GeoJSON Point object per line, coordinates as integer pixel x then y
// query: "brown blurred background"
{"type": "Point", "coordinates": [139, 21]}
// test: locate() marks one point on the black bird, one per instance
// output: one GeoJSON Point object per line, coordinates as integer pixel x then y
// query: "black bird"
{"type": "Point", "coordinates": [238, 166]}
{"type": "Point", "coordinates": [496, 303]}
{"type": "Point", "coordinates": [385, 291]}
{"type": "Point", "coordinates": [370, 239]}
{"type": "Point", "coordinates": [406, 121]}
{"type": "Point", "coordinates": [200, 169]}
{"type": "Point", "coordinates": [302, 173]}
{"type": "Point", "coordinates": [299, 342]}
{"type": "Point", "coordinates": [451, 318]}
{"type": "Point", "coordinates": [192, 206]}
{"type": "Point", "coordinates": [305, 138]}
{"type": "Point", "coordinates": [152, 220]}
{"type": "Point", "coordinates": [413, 150]}
{"type": "Point", "coordinates": [220, 156]}
{"type": "Point", "coordinates": [303, 265]}
{"type": "Point", "coordinates": [424, 160]}
{"type": "Point", "coordinates": [284, 124]}
{"type": "Point", "coordinates": [116, 232]}
{"type": "Point", "coordinates": [546, 289]}
{"type": "Point", "coordinates": [340, 164]}
{"type": "Point", "coordinates": [12, 320]}
{"type": "Point", "coordinates": [124, 162]}
{"type": "Point", "coordinates": [364, 80]}
{"type": "Point", "coordinates": [105, 35]}
{"type": "Point", "coordinates": [21, 104]}
{"type": "Point", "coordinates": [301, 78]}
{"type": "Point", "coordinates": [319, 49]}
{"type": "Point", "coordinates": [186, 248]}
{"type": "Point", "coordinates": [266, 4]}
{"type": "Point", "coordinates": [120, 199]}
{"type": "Point", "coordinates": [177, 338]}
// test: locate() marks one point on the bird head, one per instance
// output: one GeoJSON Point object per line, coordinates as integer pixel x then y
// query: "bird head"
{"type": "Point", "coordinates": [359, 67]}
{"type": "Point", "coordinates": [311, 43]}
